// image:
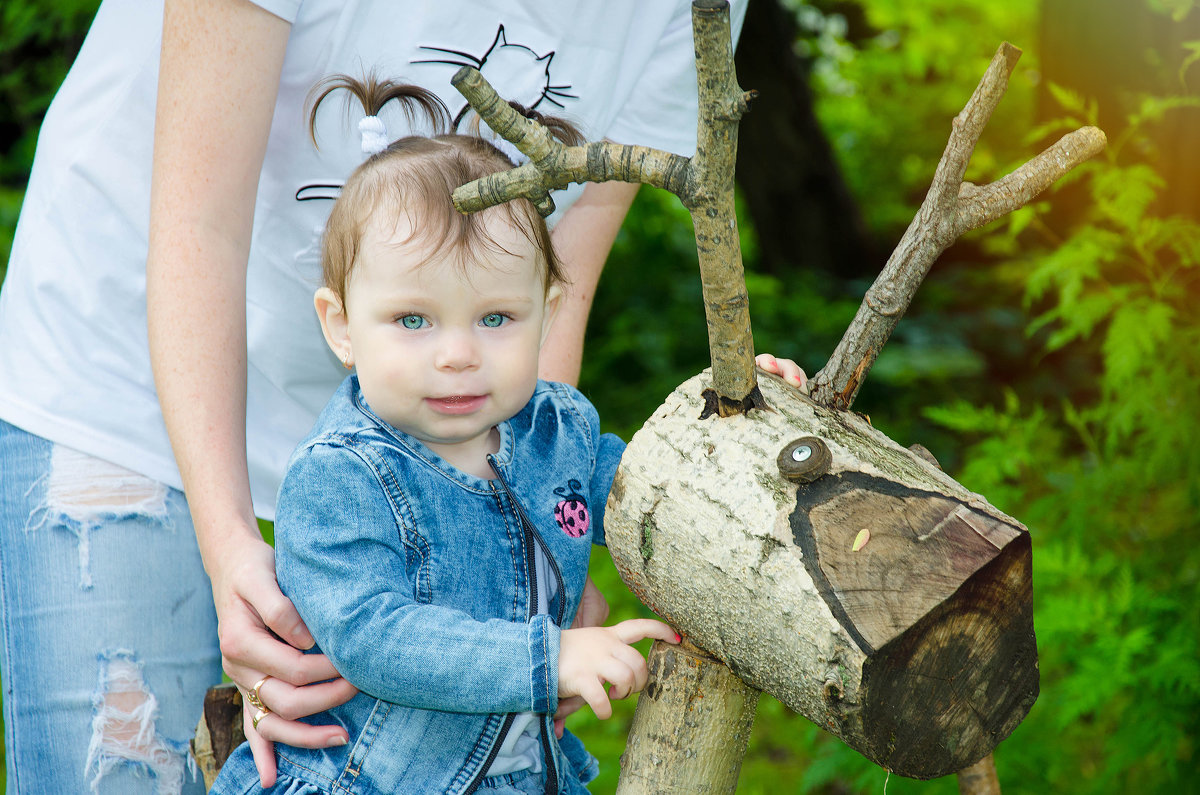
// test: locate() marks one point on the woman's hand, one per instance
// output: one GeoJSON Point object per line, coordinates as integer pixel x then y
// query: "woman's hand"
{"type": "Point", "coordinates": [253, 616]}
{"type": "Point", "coordinates": [218, 79]}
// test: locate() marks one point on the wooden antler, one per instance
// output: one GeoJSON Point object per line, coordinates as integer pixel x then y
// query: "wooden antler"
{"type": "Point", "coordinates": [951, 207]}
{"type": "Point", "coordinates": [704, 183]}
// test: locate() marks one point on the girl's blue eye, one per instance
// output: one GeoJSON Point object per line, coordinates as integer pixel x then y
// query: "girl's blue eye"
{"type": "Point", "coordinates": [493, 320]}
{"type": "Point", "coordinates": [412, 322]}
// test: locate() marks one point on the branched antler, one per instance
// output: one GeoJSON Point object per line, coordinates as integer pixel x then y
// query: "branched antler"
{"type": "Point", "coordinates": [703, 183]}
{"type": "Point", "coordinates": [553, 165]}
{"type": "Point", "coordinates": [951, 207]}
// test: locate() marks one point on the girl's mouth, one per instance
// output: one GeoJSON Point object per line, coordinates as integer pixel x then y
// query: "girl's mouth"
{"type": "Point", "coordinates": [456, 404]}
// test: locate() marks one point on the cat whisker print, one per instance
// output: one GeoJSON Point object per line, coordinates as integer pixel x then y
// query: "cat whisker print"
{"type": "Point", "coordinates": [518, 71]}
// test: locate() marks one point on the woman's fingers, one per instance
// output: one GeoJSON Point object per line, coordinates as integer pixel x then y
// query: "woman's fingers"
{"type": "Point", "coordinates": [568, 706]}
{"type": "Point", "coordinates": [261, 593]}
{"type": "Point", "coordinates": [593, 608]}
{"type": "Point", "coordinates": [274, 728]}
{"type": "Point", "coordinates": [261, 749]}
{"type": "Point", "coordinates": [247, 646]}
{"type": "Point", "coordinates": [280, 661]}
{"type": "Point", "coordinates": [290, 702]}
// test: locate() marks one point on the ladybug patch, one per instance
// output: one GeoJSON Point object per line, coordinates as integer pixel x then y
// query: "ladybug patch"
{"type": "Point", "coordinates": [571, 513]}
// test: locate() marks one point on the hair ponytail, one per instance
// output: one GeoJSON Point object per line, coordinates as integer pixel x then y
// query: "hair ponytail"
{"type": "Point", "coordinates": [373, 93]}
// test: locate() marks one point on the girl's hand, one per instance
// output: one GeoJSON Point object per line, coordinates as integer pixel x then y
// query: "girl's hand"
{"type": "Point", "coordinates": [785, 368]}
{"type": "Point", "coordinates": [253, 615]}
{"type": "Point", "coordinates": [591, 657]}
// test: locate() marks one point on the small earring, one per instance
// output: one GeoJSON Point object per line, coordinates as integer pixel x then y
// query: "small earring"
{"type": "Point", "coordinates": [346, 361]}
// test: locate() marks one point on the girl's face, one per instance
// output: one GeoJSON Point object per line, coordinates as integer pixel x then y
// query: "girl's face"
{"type": "Point", "coordinates": [443, 352]}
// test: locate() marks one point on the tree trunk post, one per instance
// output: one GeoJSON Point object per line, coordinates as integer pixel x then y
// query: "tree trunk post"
{"type": "Point", "coordinates": [980, 778]}
{"type": "Point", "coordinates": [717, 710]}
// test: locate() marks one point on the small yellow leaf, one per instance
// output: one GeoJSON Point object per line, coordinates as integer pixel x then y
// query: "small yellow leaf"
{"type": "Point", "coordinates": [861, 539]}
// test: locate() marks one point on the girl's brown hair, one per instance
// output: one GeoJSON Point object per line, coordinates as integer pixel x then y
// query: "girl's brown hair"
{"type": "Point", "coordinates": [417, 174]}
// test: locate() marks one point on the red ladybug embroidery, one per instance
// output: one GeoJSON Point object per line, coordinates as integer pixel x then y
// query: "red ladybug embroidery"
{"type": "Point", "coordinates": [572, 513]}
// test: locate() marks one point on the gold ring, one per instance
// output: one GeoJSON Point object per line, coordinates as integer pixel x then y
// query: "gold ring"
{"type": "Point", "coordinates": [262, 713]}
{"type": "Point", "coordinates": [253, 696]}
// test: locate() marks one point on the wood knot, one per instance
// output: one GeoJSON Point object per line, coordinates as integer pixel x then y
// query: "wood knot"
{"type": "Point", "coordinates": [804, 460]}
{"type": "Point", "coordinates": [833, 690]}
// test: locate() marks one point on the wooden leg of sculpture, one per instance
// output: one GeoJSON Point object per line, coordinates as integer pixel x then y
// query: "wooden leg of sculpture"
{"type": "Point", "coordinates": [980, 778]}
{"type": "Point", "coordinates": [219, 730]}
{"type": "Point", "coordinates": [691, 727]}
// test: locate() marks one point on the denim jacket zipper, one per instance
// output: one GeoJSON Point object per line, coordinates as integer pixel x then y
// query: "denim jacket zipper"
{"type": "Point", "coordinates": [531, 537]}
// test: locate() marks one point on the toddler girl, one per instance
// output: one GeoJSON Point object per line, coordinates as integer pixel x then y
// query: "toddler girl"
{"type": "Point", "coordinates": [434, 528]}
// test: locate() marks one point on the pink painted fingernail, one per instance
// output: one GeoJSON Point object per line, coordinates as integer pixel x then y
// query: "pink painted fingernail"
{"type": "Point", "coordinates": [678, 637]}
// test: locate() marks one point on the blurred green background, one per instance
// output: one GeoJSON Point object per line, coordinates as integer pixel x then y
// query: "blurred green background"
{"type": "Point", "coordinates": [1051, 361]}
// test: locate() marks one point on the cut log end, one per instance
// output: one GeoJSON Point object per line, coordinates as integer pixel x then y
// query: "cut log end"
{"type": "Point", "coordinates": [947, 691]}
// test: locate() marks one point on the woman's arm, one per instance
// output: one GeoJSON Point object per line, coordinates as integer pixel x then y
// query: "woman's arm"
{"type": "Point", "coordinates": [219, 74]}
{"type": "Point", "coordinates": [582, 238]}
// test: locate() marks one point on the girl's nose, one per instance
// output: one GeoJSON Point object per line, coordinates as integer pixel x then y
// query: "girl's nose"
{"type": "Point", "coordinates": [457, 351]}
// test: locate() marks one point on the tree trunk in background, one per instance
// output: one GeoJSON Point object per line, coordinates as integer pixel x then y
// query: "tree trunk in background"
{"type": "Point", "coordinates": [1110, 50]}
{"type": "Point", "coordinates": [802, 210]}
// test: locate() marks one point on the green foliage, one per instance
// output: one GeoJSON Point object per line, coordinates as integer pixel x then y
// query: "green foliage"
{"type": "Point", "coordinates": [887, 103]}
{"type": "Point", "coordinates": [1109, 483]}
{"type": "Point", "coordinates": [38, 41]}
{"type": "Point", "coordinates": [647, 323]}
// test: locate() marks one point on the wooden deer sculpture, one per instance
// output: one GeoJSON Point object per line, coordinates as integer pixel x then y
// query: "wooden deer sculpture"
{"type": "Point", "coordinates": [799, 550]}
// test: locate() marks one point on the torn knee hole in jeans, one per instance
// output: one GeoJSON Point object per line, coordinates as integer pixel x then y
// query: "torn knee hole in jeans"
{"type": "Point", "coordinates": [82, 493]}
{"type": "Point", "coordinates": [124, 730]}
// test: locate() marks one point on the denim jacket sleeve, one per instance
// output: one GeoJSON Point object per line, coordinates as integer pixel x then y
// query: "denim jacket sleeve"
{"type": "Point", "coordinates": [607, 449]}
{"type": "Point", "coordinates": [343, 558]}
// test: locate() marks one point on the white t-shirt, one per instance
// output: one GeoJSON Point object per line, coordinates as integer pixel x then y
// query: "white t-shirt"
{"type": "Point", "coordinates": [74, 361]}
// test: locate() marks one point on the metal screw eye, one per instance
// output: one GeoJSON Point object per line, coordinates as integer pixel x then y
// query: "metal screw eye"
{"type": "Point", "coordinates": [804, 460]}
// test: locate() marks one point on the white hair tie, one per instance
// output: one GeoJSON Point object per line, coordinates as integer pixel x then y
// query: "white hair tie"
{"type": "Point", "coordinates": [374, 135]}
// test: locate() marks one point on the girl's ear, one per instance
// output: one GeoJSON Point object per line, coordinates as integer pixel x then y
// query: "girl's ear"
{"type": "Point", "coordinates": [554, 297]}
{"type": "Point", "coordinates": [334, 324]}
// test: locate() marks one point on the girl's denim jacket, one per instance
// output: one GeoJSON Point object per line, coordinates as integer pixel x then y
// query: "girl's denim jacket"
{"type": "Point", "coordinates": [414, 577]}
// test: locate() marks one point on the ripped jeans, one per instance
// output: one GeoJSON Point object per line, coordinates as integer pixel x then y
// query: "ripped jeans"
{"type": "Point", "coordinates": [110, 637]}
